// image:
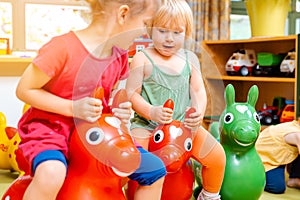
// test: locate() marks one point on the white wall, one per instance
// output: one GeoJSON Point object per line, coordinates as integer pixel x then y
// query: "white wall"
{"type": "Point", "coordinates": [10, 105]}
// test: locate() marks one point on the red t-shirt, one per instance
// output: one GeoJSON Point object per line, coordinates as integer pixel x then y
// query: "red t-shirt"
{"type": "Point", "coordinates": [75, 73]}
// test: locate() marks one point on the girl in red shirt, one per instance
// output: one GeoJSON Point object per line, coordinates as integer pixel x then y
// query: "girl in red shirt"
{"type": "Point", "coordinates": [58, 85]}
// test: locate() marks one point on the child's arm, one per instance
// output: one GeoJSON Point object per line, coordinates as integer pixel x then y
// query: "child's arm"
{"type": "Point", "coordinates": [134, 87]}
{"type": "Point", "coordinates": [293, 139]}
{"type": "Point", "coordinates": [30, 90]}
{"type": "Point", "coordinates": [197, 92]}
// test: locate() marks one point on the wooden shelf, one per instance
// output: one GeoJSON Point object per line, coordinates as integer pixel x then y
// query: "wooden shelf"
{"type": "Point", "coordinates": [214, 57]}
{"type": "Point", "coordinates": [13, 66]}
{"type": "Point", "coordinates": [252, 78]}
{"type": "Point", "coordinates": [253, 40]}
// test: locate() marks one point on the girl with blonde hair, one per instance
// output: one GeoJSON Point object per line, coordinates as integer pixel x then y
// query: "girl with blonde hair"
{"type": "Point", "coordinates": [168, 70]}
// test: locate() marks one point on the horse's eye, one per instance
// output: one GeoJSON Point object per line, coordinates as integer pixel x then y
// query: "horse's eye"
{"type": "Point", "coordinates": [188, 144]}
{"type": "Point", "coordinates": [228, 118]}
{"type": "Point", "coordinates": [94, 136]}
{"type": "Point", "coordinates": [256, 117]}
{"type": "Point", "coordinates": [158, 136]}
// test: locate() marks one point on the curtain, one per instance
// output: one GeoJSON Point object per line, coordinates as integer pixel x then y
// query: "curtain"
{"type": "Point", "coordinates": [211, 21]}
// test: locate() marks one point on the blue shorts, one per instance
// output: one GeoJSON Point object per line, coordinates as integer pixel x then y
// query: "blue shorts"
{"type": "Point", "coordinates": [48, 155]}
{"type": "Point", "coordinates": [151, 169]}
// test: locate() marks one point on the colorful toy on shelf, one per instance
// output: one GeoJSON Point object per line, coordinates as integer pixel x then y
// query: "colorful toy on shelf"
{"type": "Point", "coordinates": [241, 62]}
{"type": "Point", "coordinates": [268, 64]}
{"type": "Point", "coordinates": [172, 143]}
{"type": "Point", "coordinates": [139, 44]}
{"type": "Point", "coordinates": [239, 128]}
{"type": "Point", "coordinates": [287, 66]}
{"type": "Point", "coordinates": [101, 154]}
{"type": "Point", "coordinates": [288, 113]}
{"type": "Point", "coordinates": [9, 140]}
{"type": "Point", "coordinates": [271, 114]}
{"type": "Point", "coordinates": [4, 46]}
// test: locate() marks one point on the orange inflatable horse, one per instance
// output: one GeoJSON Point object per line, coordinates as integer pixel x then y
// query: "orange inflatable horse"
{"type": "Point", "coordinates": [101, 154]}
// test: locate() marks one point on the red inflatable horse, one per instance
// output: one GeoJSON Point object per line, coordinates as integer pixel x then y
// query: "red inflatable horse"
{"type": "Point", "coordinates": [101, 154]}
{"type": "Point", "coordinates": [172, 143]}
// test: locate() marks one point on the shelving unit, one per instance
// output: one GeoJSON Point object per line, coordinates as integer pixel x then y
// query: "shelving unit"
{"type": "Point", "coordinates": [12, 65]}
{"type": "Point", "coordinates": [213, 60]}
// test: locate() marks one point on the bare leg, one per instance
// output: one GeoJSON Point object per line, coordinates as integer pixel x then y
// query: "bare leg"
{"type": "Point", "coordinates": [141, 136]}
{"type": "Point", "coordinates": [151, 192]}
{"type": "Point", "coordinates": [294, 177]}
{"type": "Point", "coordinates": [47, 181]}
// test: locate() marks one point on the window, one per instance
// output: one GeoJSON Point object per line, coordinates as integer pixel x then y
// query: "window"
{"type": "Point", "coordinates": [240, 25]}
{"type": "Point", "coordinates": [5, 26]}
{"type": "Point", "coordinates": [45, 21]}
{"type": "Point", "coordinates": [31, 23]}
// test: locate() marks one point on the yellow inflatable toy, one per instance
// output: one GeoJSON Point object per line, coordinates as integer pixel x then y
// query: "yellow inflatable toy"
{"type": "Point", "coordinates": [9, 140]}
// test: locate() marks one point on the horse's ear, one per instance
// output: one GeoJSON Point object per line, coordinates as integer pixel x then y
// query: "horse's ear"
{"type": "Point", "coordinates": [229, 95]}
{"type": "Point", "coordinates": [253, 95]}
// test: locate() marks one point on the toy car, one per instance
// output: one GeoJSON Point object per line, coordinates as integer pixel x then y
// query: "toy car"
{"type": "Point", "coordinates": [271, 114]}
{"type": "Point", "coordinates": [288, 113]}
{"type": "Point", "coordinates": [267, 64]}
{"type": "Point", "coordinates": [287, 66]}
{"type": "Point", "coordinates": [241, 62]}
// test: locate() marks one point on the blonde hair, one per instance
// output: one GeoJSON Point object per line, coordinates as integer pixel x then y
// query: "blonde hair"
{"type": "Point", "coordinates": [98, 6]}
{"type": "Point", "coordinates": [174, 13]}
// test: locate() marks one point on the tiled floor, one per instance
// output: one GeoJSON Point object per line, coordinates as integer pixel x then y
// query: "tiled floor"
{"type": "Point", "coordinates": [6, 177]}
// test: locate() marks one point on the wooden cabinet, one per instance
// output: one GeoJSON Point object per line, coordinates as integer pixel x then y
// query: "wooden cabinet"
{"type": "Point", "coordinates": [213, 60]}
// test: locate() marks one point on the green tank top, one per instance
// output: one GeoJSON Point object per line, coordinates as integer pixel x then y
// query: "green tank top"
{"type": "Point", "coordinates": [159, 87]}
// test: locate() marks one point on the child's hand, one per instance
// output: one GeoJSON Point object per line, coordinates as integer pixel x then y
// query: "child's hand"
{"type": "Point", "coordinates": [193, 120]}
{"type": "Point", "coordinates": [88, 108]}
{"type": "Point", "coordinates": [161, 115]}
{"type": "Point", "coordinates": [123, 112]}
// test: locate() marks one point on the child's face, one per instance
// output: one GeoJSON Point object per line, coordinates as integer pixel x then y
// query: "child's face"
{"type": "Point", "coordinates": [168, 41]}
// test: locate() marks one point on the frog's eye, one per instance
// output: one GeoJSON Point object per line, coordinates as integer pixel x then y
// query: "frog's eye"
{"type": "Point", "coordinates": [94, 136]}
{"type": "Point", "coordinates": [228, 118]}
